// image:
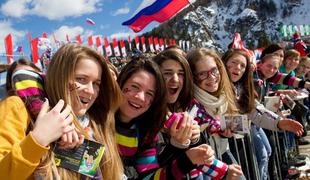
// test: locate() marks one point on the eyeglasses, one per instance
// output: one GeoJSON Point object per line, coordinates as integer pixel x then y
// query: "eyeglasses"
{"type": "Point", "coordinates": [206, 74]}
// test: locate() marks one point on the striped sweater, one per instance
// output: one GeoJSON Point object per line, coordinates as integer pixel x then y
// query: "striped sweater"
{"type": "Point", "coordinates": [140, 158]}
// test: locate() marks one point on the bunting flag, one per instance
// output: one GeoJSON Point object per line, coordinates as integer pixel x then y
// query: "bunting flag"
{"type": "Point", "coordinates": [187, 45]}
{"type": "Point", "coordinates": [90, 40]}
{"type": "Point", "coordinates": [156, 44]}
{"type": "Point", "coordinates": [116, 48]}
{"type": "Point", "coordinates": [137, 42]}
{"type": "Point", "coordinates": [35, 50]}
{"type": "Point", "coordinates": [123, 48]}
{"type": "Point", "coordinates": [155, 10]}
{"type": "Point", "coordinates": [9, 48]}
{"type": "Point", "coordinates": [183, 45]}
{"type": "Point", "coordinates": [67, 38]}
{"type": "Point", "coordinates": [129, 42]}
{"type": "Point", "coordinates": [170, 42]}
{"type": "Point", "coordinates": [29, 37]}
{"type": "Point", "coordinates": [107, 47]}
{"type": "Point", "coordinates": [98, 41]}
{"type": "Point", "coordinates": [143, 44]}
{"type": "Point", "coordinates": [44, 35]}
{"type": "Point", "coordinates": [151, 44]}
{"type": "Point", "coordinates": [98, 45]}
{"type": "Point", "coordinates": [57, 43]}
{"type": "Point", "coordinates": [307, 29]}
{"type": "Point", "coordinates": [161, 44]}
{"type": "Point", "coordinates": [180, 44]}
{"type": "Point", "coordinates": [79, 39]}
{"type": "Point", "coordinates": [174, 42]}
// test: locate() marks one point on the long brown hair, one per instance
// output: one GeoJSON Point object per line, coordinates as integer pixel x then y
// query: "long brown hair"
{"type": "Point", "coordinates": [225, 85]}
{"type": "Point", "coordinates": [152, 120]}
{"type": "Point", "coordinates": [186, 93]}
{"type": "Point", "coordinates": [59, 75]}
{"type": "Point", "coordinates": [246, 99]}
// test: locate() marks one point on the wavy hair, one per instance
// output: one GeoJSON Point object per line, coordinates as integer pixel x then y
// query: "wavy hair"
{"type": "Point", "coordinates": [225, 85]}
{"type": "Point", "coordinates": [59, 75]}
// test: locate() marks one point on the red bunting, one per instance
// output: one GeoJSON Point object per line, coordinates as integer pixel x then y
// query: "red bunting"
{"type": "Point", "coordinates": [90, 40]}
{"type": "Point", "coordinates": [98, 41]}
{"type": "Point", "coordinates": [35, 50]}
{"type": "Point", "coordinates": [79, 39]}
{"type": "Point", "coordinates": [9, 48]}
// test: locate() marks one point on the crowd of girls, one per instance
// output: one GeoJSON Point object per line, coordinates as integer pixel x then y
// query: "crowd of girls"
{"type": "Point", "coordinates": [160, 117]}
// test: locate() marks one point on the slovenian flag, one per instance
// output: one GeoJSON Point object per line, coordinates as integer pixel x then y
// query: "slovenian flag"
{"type": "Point", "coordinates": [155, 10]}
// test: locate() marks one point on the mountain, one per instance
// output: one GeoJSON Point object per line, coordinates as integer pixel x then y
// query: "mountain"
{"type": "Point", "coordinates": [214, 22]}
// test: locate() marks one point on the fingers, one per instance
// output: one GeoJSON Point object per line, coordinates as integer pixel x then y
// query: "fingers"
{"type": "Point", "coordinates": [45, 108]}
{"type": "Point", "coordinates": [238, 170]}
{"type": "Point", "coordinates": [68, 120]}
{"type": "Point", "coordinates": [66, 111]}
{"type": "Point", "coordinates": [58, 107]}
{"type": "Point", "coordinates": [71, 139]}
{"type": "Point", "coordinates": [67, 129]}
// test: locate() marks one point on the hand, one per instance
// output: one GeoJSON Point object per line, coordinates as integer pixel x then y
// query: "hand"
{"type": "Point", "coordinates": [195, 131]}
{"type": "Point", "coordinates": [292, 92]}
{"type": "Point", "coordinates": [51, 125]}
{"type": "Point", "coordinates": [184, 132]}
{"type": "Point", "coordinates": [291, 125]}
{"type": "Point", "coordinates": [234, 172]}
{"type": "Point", "coordinates": [202, 154]}
{"type": "Point", "coordinates": [227, 133]}
{"type": "Point", "coordinates": [71, 139]}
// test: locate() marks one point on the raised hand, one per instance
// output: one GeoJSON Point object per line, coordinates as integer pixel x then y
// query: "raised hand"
{"type": "Point", "coordinates": [51, 125]}
{"type": "Point", "coordinates": [183, 134]}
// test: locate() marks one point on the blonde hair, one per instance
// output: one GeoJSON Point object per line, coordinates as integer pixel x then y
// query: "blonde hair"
{"type": "Point", "coordinates": [225, 85]}
{"type": "Point", "coordinates": [59, 75]}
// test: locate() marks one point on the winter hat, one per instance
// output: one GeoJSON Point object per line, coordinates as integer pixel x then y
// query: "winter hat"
{"type": "Point", "coordinates": [271, 49]}
{"type": "Point", "coordinates": [29, 86]}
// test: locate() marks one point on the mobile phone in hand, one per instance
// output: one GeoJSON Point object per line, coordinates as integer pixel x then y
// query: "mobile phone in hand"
{"type": "Point", "coordinates": [172, 118]}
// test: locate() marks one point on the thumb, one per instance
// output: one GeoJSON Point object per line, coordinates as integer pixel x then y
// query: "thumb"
{"type": "Point", "coordinates": [44, 109]}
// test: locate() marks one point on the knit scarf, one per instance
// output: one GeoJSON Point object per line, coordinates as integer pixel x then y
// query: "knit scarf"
{"type": "Point", "coordinates": [213, 105]}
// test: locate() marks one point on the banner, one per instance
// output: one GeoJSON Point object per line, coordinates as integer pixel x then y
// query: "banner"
{"type": "Point", "coordinates": [9, 48]}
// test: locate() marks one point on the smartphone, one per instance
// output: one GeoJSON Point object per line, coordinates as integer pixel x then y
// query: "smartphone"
{"type": "Point", "coordinates": [172, 118]}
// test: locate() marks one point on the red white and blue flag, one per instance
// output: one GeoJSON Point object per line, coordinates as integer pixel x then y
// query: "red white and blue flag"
{"type": "Point", "coordinates": [155, 10]}
{"type": "Point", "coordinates": [90, 21]}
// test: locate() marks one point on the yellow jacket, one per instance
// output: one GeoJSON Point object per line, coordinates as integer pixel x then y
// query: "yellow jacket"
{"type": "Point", "coordinates": [20, 154]}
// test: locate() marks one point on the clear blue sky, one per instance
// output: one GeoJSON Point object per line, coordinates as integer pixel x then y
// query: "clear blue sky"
{"type": "Point", "coordinates": [62, 17]}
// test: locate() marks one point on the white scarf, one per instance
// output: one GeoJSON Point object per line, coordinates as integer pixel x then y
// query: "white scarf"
{"type": "Point", "coordinates": [213, 105]}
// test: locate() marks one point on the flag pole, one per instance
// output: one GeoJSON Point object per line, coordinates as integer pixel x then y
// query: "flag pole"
{"type": "Point", "coordinates": [200, 20]}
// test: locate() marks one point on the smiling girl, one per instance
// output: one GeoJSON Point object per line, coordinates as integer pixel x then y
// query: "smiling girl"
{"type": "Point", "coordinates": [76, 92]}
